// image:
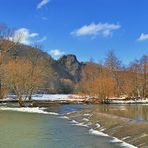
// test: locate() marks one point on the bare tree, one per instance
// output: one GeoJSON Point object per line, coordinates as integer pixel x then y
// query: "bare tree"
{"type": "Point", "coordinates": [19, 77]}
{"type": "Point", "coordinates": [144, 72]}
{"type": "Point", "coordinates": [114, 65]}
{"type": "Point", "coordinates": [8, 41]}
{"type": "Point", "coordinates": [136, 78]}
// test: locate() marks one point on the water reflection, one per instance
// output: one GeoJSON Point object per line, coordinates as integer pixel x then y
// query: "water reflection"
{"type": "Point", "coordinates": [134, 112]}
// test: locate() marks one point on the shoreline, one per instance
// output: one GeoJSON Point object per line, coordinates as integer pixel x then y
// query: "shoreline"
{"type": "Point", "coordinates": [44, 103]}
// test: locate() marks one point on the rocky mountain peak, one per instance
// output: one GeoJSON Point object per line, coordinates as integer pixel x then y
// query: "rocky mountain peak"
{"type": "Point", "coordinates": [68, 59]}
{"type": "Point", "coordinates": [71, 65]}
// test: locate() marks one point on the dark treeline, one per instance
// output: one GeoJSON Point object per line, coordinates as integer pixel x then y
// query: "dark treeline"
{"type": "Point", "coordinates": [25, 70]}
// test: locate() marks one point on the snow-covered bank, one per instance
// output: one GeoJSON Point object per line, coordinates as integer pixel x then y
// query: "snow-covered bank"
{"type": "Point", "coordinates": [121, 101]}
{"type": "Point", "coordinates": [50, 97]}
{"type": "Point", "coordinates": [54, 97]}
{"type": "Point", "coordinates": [74, 98]}
{"type": "Point", "coordinates": [28, 110]}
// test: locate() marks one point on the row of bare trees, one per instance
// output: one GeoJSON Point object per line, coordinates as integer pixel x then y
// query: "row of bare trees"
{"type": "Point", "coordinates": [21, 75]}
{"type": "Point", "coordinates": [26, 74]}
{"type": "Point", "coordinates": [111, 79]}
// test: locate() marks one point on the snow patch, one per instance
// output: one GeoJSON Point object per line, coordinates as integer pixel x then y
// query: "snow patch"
{"type": "Point", "coordinates": [98, 125]}
{"type": "Point", "coordinates": [55, 97]}
{"type": "Point", "coordinates": [74, 121]}
{"type": "Point", "coordinates": [86, 114]}
{"type": "Point", "coordinates": [125, 138]}
{"type": "Point", "coordinates": [64, 117]}
{"type": "Point", "coordinates": [81, 124]}
{"type": "Point", "coordinates": [102, 129]}
{"type": "Point", "coordinates": [96, 132]}
{"type": "Point", "coordinates": [142, 101]}
{"type": "Point", "coordinates": [78, 124]}
{"type": "Point", "coordinates": [50, 97]}
{"type": "Point", "coordinates": [114, 140]}
{"type": "Point", "coordinates": [28, 110]}
{"type": "Point", "coordinates": [122, 143]}
{"type": "Point", "coordinates": [85, 119]}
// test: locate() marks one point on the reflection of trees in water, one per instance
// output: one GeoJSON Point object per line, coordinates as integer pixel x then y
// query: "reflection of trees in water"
{"type": "Point", "coordinates": [138, 112]}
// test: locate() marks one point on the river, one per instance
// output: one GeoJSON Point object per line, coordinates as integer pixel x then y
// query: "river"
{"type": "Point", "coordinates": [50, 128]}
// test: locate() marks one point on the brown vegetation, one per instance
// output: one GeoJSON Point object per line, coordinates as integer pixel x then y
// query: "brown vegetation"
{"type": "Point", "coordinates": [112, 80]}
{"type": "Point", "coordinates": [22, 77]}
{"type": "Point", "coordinates": [25, 75]}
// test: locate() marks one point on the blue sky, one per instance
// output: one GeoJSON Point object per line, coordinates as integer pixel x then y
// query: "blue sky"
{"type": "Point", "coordinates": [86, 28]}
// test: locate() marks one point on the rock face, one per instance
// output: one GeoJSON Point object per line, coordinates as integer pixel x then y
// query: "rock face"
{"type": "Point", "coordinates": [62, 75]}
{"type": "Point", "coordinates": [69, 67]}
{"type": "Point", "coordinates": [72, 66]}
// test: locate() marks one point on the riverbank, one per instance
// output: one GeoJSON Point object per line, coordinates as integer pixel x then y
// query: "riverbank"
{"type": "Point", "coordinates": [115, 123]}
{"type": "Point", "coordinates": [126, 101]}
{"type": "Point", "coordinates": [45, 100]}
{"type": "Point", "coordinates": [40, 100]}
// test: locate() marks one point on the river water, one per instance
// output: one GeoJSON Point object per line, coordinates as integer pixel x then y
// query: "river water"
{"type": "Point", "coordinates": [44, 129]}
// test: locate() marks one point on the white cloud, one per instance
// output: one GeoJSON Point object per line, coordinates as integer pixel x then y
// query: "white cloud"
{"type": "Point", "coordinates": [56, 52]}
{"type": "Point", "coordinates": [42, 39]}
{"type": "Point", "coordinates": [103, 29]}
{"type": "Point", "coordinates": [24, 35]}
{"type": "Point", "coordinates": [42, 3]}
{"type": "Point", "coordinates": [143, 37]}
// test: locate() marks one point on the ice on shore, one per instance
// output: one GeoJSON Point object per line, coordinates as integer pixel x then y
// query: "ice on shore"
{"type": "Point", "coordinates": [28, 110]}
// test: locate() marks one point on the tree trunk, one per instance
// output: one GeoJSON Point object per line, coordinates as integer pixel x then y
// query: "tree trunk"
{"type": "Point", "coordinates": [20, 101]}
{"type": "Point", "coordinates": [30, 95]}
{"type": "Point", "coordinates": [1, 96]}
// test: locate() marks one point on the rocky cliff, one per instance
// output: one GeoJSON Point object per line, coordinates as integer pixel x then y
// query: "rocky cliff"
{"type": "Point", "coordinates": [69, 67]}
{"type": "Point", "coordinates": [66, 67]}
